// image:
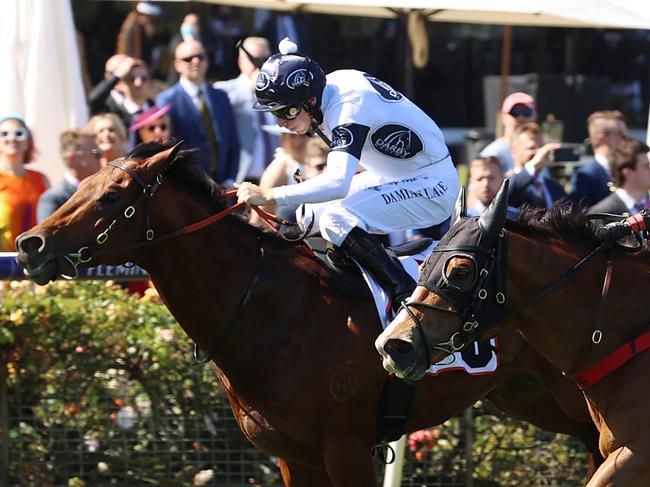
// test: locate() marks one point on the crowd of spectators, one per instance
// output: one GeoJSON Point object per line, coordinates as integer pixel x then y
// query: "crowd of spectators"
{"type": "Point", "coordinates": [140, 99]}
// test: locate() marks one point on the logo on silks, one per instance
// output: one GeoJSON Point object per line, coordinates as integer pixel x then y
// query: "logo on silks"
{"type": "Point", "coordinates": [385, 90]}
{"type": "Point", "coordinates": [396, 141]}
{"type": "Point", "coordinates": [262, 82]}
{"type": "Point", "coordinates": [341, 138]}
{"type": "Point", "coordinates": [299, 77]}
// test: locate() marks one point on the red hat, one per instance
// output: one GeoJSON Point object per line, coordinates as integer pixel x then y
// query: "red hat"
{"type": "Point", "coordinates": [151, 115]}
{"type": "Point", "coordinates": [517, 98]}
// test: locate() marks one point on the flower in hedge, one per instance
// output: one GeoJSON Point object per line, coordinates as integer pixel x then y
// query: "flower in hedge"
{"type": "Point", "coordinates": [203, 477]}
{"type": "Point", "coordinates": [18, 317]}
{"type": "Point", "coordinates": [167, 334]}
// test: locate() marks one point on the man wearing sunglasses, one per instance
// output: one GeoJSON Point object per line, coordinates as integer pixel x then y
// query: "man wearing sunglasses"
{"type": "Point", "coordinates": [409, 182]}
{"type": "Point", "coordinates": [201, 115]}
{"type": "Point", "coordinates": [516, 110]}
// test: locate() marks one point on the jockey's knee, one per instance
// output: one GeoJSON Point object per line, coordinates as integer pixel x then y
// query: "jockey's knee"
{"type": "Point", "coordinates": [336, 222]}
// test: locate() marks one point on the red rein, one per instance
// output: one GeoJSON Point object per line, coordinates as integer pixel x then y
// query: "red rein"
{"type": "Point", "coordinates": [268, 218]}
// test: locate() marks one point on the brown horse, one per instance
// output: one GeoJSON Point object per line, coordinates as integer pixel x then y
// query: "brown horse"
{"type": "Point", "coordinates": [293, 352]}
{"type": "Point", "coordinates": [575, 296]}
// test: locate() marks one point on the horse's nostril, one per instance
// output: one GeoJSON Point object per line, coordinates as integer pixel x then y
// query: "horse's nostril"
{"type": "Point", "coordinates": [30, 245]}
{"type": "Point", "coordinates": [395, 345]}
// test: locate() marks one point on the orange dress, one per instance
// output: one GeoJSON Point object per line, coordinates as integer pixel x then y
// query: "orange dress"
{"type": "Point", "coordinates": [18, 198]}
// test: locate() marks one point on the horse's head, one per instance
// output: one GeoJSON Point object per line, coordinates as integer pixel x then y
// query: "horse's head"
{"type": "Point", "coordinates": [459, 295]}
{"type": "Point", "coordinates": [109, 209]}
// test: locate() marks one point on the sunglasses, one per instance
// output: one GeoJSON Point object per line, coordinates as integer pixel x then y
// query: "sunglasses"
{"type": "Point", "coordinates": [19, 134]}
{"type": "Point", "coordinates": [152, 128]}
{"type": "Point", "coordinates": [189, 59]}
{"type": "Point", "coordinates": [144, 77]}
{"type": "Point", "coordinates": [287, 113]}
{"type": "Point", "coordinates": [517, 112]}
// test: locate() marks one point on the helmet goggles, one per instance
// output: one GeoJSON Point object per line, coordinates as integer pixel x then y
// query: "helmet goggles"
{"type": "Point", "coordinates": [287, 113]}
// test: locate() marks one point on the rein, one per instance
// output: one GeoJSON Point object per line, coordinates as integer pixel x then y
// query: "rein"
{"type": "Point", "coordinates": [86, 253]}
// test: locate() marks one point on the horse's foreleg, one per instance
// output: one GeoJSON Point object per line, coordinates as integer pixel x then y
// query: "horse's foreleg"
{"type": "Point", "coordinates": [295, 475]}
{"type": "Point", "coordinates": [622, 468]}
{"type": "Point", "coordinates": [349, 462]}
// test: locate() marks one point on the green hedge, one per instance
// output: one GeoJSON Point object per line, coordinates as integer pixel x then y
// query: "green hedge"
{"type": "Point", "coordinates": [102, 389]}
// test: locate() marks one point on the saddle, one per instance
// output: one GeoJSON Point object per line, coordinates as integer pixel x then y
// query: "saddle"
{"type": "Point", "coordinates": [345, 272]}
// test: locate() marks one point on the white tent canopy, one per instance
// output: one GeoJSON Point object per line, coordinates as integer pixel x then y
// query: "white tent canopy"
{"type": "Point", "coordinates": [41, 74]}
{"type": "Point", "coordinates": [552, 13]}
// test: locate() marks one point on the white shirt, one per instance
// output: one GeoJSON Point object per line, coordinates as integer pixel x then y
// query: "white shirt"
{"type": "Point", "coordinates": [629, 201]}
{"type": "Point", "coordinates": [604, 163]}
{"type": "Point", "coordinates": [191, 89]}
{"type": "Point", "coordinates": [373, 125]}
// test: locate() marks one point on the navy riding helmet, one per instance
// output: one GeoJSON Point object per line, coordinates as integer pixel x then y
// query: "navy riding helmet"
{"type": "Point", "coordinates": [288, 80]}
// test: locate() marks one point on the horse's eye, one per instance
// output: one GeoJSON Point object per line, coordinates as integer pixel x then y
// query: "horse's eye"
{"type": "Point", "coordinates": [109, 197]}
{"type": "Point", "coordinates": [459, 273]}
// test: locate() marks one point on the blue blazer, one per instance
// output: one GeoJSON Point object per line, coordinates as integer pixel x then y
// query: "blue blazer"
{"type": "Point", "coordinates": [590, 184]}
{"type": "Point", "coordinates": [53, 198]}
{"type": "Point", "coordinates": [611, 204]}
{"type": "Point", "coordinates": [522, 190]}
{"type": "Point", "coordinates": [186, 125]}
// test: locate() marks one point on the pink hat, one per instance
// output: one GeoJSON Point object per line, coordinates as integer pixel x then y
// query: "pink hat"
{"type": "Point", "coordinates": [151, 115]}
{"type": "Point", "coordinates": [517, 98]}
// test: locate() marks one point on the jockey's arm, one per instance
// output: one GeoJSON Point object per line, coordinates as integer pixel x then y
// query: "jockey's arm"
{"type": "Point", "coordinates": [332, 184]}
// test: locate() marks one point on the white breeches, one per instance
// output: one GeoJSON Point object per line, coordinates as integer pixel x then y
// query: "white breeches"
{"type": "Point", "coordinates": [382, 205]}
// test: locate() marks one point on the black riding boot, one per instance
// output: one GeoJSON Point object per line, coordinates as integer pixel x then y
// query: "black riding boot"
{"type": "Point", "coordinates": [370, 252]}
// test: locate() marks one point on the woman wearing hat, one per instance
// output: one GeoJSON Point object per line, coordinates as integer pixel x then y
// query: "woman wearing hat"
{"type": "Point", "coordinates": [153, 125]}
{"type": "Point", "coordinates": [20, 187]}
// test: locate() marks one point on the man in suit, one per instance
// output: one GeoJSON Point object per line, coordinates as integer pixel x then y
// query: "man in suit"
{"type": "Point", "coordinates": [631, 173]}
{"type": "Point", "coordinates": [257, 145]}
{"type": "Point", "coordinates": [201, 115]}
{"type": "Point", "coordinates": [593, 181]}
{"type": "Point", "coordinates": [529, 183]}
{"type": "Point", "coordinates": [81, 157]}
{"type": "Point", "coordinates": [485, 178]}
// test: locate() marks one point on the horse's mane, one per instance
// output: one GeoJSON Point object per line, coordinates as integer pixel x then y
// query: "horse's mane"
{"type": "Point", "coordinates": [562, 220]}
{"type": "Point", "coordinates": [186, 171]}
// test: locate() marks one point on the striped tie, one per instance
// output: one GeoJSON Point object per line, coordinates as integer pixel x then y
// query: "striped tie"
{"type": "Point", "coordinates": [210, 134]}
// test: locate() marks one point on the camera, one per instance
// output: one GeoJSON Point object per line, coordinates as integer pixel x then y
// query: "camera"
{"type": "Point", "coordinates": [568, 153]}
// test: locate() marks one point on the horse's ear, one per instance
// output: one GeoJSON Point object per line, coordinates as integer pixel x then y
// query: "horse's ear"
{"type": "Point", "coordinates": [494, 217]}
{"type": "Point", "coordinates": [161, 161]}
{"type": "Point", "coordinates": [460, 207]}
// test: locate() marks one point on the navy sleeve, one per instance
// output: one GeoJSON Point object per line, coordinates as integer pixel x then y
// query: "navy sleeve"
{"type": "Point", "coordinates": [349, 138]}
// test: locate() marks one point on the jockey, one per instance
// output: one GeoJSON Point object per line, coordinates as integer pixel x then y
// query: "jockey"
{"type": "Point", "coordinates": [409, 180]}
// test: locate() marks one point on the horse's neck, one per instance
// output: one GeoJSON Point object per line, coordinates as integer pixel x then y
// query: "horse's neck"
{"type": "Point", "coordinates": [561, 324]}
{"type": "Point", "coordinates": [203, 278]}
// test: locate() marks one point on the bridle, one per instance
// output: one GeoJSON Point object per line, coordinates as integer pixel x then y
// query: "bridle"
{"type": "Point", "coordinates": [467, 304]}
{"type": "Point", "coordinates": [482, 307]}
{"type": "Point", "coordinates": [85, 254]}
